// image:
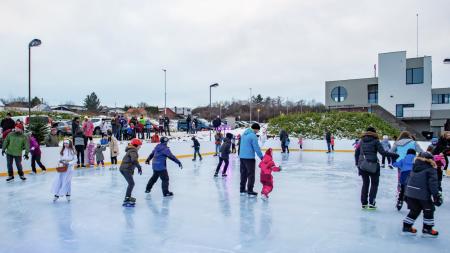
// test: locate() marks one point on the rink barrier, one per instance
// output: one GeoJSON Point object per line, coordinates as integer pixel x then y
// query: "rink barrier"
{"type": "Point", "coordinates": [141, 160]}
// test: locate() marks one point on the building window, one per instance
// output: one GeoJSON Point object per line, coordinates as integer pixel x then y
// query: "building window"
{"type": "Point", "coordinates": [440, 99]}
{"type": "Point", "coordinates": [414, 75]}
{"type": "Point", "coordinates": [372, 94]}
{"type": "Point", "coordinates": [338, 94]}
{"type": "Point", "coordinates": [399, 109]}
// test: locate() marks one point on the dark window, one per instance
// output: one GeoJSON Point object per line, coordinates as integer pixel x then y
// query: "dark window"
{"type": "Point", "coordinates": [414, 75]}
{"type": "Point", "coordinates": [440, 99]}
{"type": "Point", "coordinates": [372, 93]}
{"type": "Point", "coordinates": [338, 94]}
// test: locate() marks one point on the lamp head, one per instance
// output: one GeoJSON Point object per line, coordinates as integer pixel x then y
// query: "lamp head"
{"type": "Point", "coordinates": [214, 85]}
{"type": "Point", "coordinates": [34, 43]}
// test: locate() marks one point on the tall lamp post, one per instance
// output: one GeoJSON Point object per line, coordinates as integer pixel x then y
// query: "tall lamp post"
{"type": "Point", "coordinates": [258, 113]}
{"type": "Point", "coordinates": [250, 103]}
{"type": "Point", "coordinates": [33, 43]}
{"type": "Point", "coordinates": [210, 119]}
{"type": "Point", "coordinates": [165, 92]}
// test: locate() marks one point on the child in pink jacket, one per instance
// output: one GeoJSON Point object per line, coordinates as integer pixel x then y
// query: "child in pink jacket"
{"type": "Point", "coordinates": [267, 165]}
{"type": "Point", "coordinates": [91, 153]}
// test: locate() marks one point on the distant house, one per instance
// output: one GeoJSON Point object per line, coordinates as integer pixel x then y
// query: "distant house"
{"type": "Point", "coordinates": [136, 112]}
{"type": "Point", "coordinates": [182, 111]}
{"type": "Point", "coordinates": [41, 108]}
{"type": "Point", "coordinates": [69, 108]}
{"type": "Point", "coordinates": [169, 112]}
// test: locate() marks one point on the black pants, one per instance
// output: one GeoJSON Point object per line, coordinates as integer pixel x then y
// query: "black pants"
{"type": "Point", "coordinates": [283, 147]}
{"type": "Point", "coordinates": [372, 180]}
{"type": "Point", "coordinates": [164, 178]}
{"type": "Point", "coordinates": [113, 159]}
{"type": "Point", "coordinates": [167, 130]}
{"type": "Point", "coordinates": [149, 132]}
{"type": "Point", "coordinates": [225, 167]}
{"type": "Point", "coordinates": [383, 160]}
{"type": "Point", "coordinates": [36, 159]}
{"type": "Point", "coordinates": [128, 175]}
{"type": "Point", "coordinates": [247, 174]}
{"type": "Point", "coordinates": [9, 160]}
{"type": "Point", "coordinates": [401, 193]}
{"type": "Point", "coordinates": [80, 154]}
{"type": "Point", "coordinates": [416, 206]}
{"type": "Point", "coordinates": [446, 162]}
{"type": "Point", "coordinates": [197, 152]}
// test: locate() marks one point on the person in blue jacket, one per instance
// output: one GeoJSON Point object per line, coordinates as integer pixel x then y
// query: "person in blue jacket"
{"type": "Point", "coordinates": [159, 166]}
{"type": "Point", "coordinates": [247, 149]}
{"type": "Point", "coordinates": [405, 166]}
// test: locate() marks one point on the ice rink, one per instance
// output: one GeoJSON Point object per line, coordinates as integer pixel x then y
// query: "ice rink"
{"type": "Point", "coordinates": [314, 208]}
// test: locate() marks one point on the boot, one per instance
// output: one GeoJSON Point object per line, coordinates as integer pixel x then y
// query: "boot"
{"type": "Point", "coordinates": [408, 229]}
{"type": "Point", "coordinates": [429, 232]}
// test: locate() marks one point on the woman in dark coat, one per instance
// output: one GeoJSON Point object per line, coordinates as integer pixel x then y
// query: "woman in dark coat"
{"type": "Point", "coordinates": [368, 149]}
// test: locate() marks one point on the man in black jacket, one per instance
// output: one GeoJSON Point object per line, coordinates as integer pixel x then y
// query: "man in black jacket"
{"type": "Point", "coordinates": [8, 123]}
{"type": "Point", "coordinates": [369, 147]}
{"type": "Point", "coordinates": [328, 140]}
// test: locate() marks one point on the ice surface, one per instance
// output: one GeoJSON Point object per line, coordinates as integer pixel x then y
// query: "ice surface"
{"type": "Point", "coordinates": [314, 208]}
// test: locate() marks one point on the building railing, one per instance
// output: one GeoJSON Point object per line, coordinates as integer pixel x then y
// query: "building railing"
{"type": "Point", "coordinates": [407, 113]}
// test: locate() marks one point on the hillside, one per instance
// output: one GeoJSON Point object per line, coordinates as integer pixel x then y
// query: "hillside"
{"type": "Point", "coordinates": [343, 125]}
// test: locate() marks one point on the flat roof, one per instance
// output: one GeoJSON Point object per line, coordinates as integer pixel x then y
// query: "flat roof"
{"type": "Point", "coordinates": [356, 79]}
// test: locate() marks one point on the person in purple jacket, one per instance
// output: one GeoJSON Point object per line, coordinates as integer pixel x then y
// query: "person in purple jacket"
{"type": "Point", "coordinates": [159, 166]}
{"type": "Point", "coordinates": [36, 153]}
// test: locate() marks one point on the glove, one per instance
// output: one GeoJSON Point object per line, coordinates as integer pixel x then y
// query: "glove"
{"type": "Point", "coordinates": [3, 152]}
{"type": "Point", "coordinates": [26, 157]}
{"type": "Point", "coordinates": [395, 156]}
{"type": "Point", "coordinates": [140, 171]}
{"type": "Point", "coordinates": [147, 162]}
{"type": "Point", "coordinates": [437, 200]}
{"type": "Point", "coordinates": [180, 165]}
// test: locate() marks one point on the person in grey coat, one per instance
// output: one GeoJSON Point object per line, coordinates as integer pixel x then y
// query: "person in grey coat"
{"type": "Point", "coordinates": [100, 158]}
{"type": "Point", "coordinates": [422, 193]}
{"type": "Point", "coordinates": [387, 146]}
{"type": "Point", "coordinates": [224, 157]}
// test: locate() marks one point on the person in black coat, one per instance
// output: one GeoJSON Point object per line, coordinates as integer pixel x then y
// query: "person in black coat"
{"type": "Point", "coordinates": [422, 185]}
{"type": "Point", "coordinates": [188, 124]}
{"type": "Point", "coordinates": [443, 147]}
{"type": "Point", "coordinates": [328, 140]}
{"type": "Point", "coordinates": [369, 147]}
{"type": "Point", "coordinates": [8, 123]}
{"type": "Point", "coordinates": [283, 139]}
{"type": "Point", "coordinates": [224, 156]}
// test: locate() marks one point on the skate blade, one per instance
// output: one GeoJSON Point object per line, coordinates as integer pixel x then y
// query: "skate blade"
{"type": "Point", "coordinates": [429, 236]}
{"type": "Point", "coordinates": [408, 234]}
{"type": "Point", "coordinates": [128, 205]}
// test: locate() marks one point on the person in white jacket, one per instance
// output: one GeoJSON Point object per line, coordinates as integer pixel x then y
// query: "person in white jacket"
{"type": "Point", "coordinates": [63, 181]}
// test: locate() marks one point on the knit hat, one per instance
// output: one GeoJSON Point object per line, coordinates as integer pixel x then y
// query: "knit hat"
{"type": "Point", "coordinates": [256, 126]}
{"type": "Point", "coordinates": [19, 125]}
{"type": "Point", "coordinates": [371, 129]}
{"type": "Point", "coordinates": [425, 155]}
{"type": "Point", "coordinates": [229, 136]}
{"type": "Point", "coordinates": [164, 139]}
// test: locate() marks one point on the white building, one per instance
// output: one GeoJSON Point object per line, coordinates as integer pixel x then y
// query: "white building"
{"type": "Point", "coordinates": [402, 89]}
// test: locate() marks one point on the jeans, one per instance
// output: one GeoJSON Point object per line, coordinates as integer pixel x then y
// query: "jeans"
{"type": "Point", "coordinates": [329, 146]}
{"type": "Point", "coordinates": [225, 167]}
{"type": "Point", "coordinates": [36, 159]}
{"type": "Point", "coordinates": [247, 169]}
{"type": "Point", "coordinates": [217, 149]}
{"type": "Point", "coordinates": [372, 180]}
{"type": "Point", "coordinates": [164, 178]}
{"type": "Point", "coordinates": [128, 175]}
{"type": "Point", "coordinates": [383, 159]}
{"type": "Point", "coordinates": [9, 160]}
{"type": "Point", "coordinates": [197, 152]}
{"type": "Point", "coordinates": [113, 160]}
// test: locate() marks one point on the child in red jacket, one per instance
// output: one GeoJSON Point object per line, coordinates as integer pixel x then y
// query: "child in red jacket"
{"type": "Point", "coordinates": [267, 165]}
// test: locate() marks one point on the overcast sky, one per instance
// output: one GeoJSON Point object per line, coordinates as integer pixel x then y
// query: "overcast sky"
{"type": "Point", "coordinates": [286, 48]}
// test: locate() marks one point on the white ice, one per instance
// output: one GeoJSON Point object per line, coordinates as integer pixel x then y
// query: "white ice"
{"type": "Point", "coordinates": [314, 208]}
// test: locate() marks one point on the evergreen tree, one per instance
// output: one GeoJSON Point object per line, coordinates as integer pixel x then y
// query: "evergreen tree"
{"type": "Point", "coordinates": [39, 127]}
{"type": "Point", "coordinates": [92, 102]}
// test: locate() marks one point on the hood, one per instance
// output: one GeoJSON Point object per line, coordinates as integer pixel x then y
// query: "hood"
{"type": "Point", "coordinates": [269, 152]}
{"type": "Point", "coordinates": [160, 147]}
{"type": "Point", "coordinates": [368, 136]}
{"type": "Point", "coordinates": [421, 164]}
{"type": "Point", "coordinates": [248, 131]}
{"type": "Point", "coordinates": [403, 142]}
{"type": "Point", "coordinates": [130, 148]}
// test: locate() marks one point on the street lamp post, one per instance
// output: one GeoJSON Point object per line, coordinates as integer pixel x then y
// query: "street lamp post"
{"type": "Point", "coordinates": [250, 103]}
{"type": "Point", "coordinates": [210, 119]}
{"type": "Point", "coordinates": [165, 92]}
{"type": "Point", "coordinates": [33, 43]}
{"type": "Point", "coordinates": [258, 113]}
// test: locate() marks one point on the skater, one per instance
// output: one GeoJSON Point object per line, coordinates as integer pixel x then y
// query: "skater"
{"type": "Point", "coordinates": [13, 145]}
{"type": "Point", "coordinates": [80, 148]}
{"type": "Point", "coordinates": [405, 166]}
{"type": "Point", "coordinates": [88, 129]}
{"type": "Point", "coordinates": [387, 146]}
{"type": "Point", "coordinates": [247, 149]}
{"type": "Point", "coordinates": [188, 124]}
{"type": "Point", "coordinates": [422, 186]}
{"type": "Point", "coordinates": [443, 147]}
{"type": "Point", "coordinates": [63, 180]}
{"type": "Point", "coordinates": [432, 145]}
{"type": "Point", "coordinates": [167, 126]}
{"type": "Point", "coordinates": [440, 163]}
{"type": "Point", "coordinates": [113, 149]}
{"type": "Point", "coordinates": [91, 153]}
{"type": "Point", "coordinates": [369, 166]}
{"type": "Point", "coordinates": [300, 142]}
{"type": "Point", "coordinates": [217, 142]}
{"type": "Point", "coordinates": [35, 151]}
{"type": "Point", "coordinates": [288, 141]}
{"type": "Point", "coordinates": [195, 121]}
{"type": "Point", "coordinates": [129, 162]}
{"type": "Point", "coordinates": [224, 155]}
{"type": "Point", "coordinates": [99, 157]}
{"type": "Point", "coordinates": [161, 125]}
{"type": "Point", "coordinates": [332, 143]}
{"type": "Point", "coordinates": [7, 124]}
{"type": "Point", "coordinates": [159, 166]}
{"type": "Point", "coordinates": [404, 142]}
{"type": "Point", "coordinates": [328, 140]}
{"type": "Point", "coordinates": [52, 140]}
{"type": "Point", "coordinates": [148, 129]}
{"type": "Point", "coordinates": [233, 145]}
{"type": "Point", "coordinates": [267, 165]}
{"type": "Point", "coordinates": [283, 139]}
{"type": "Point", "coordinates": [196, 147]}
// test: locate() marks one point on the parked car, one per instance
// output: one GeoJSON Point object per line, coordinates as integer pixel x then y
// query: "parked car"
{"type": "Point", "coordinates": [97, 124]}
{"type": "Point", "coordinates": [202, 125]}
{"type": "Point", "coordinates": [64, 128]}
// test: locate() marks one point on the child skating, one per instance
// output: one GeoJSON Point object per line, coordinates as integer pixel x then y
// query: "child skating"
{"type": "Point", "coordinates": [63, 180]}
{"type": "Point", "coordinates": [405, 166]}
{"type": "Point", "coordinates": [224, 156]}
{"type": "Point", "coordinates": [159, 156]}
{"type": "Point", "coordinates": [35, 151]}
{"type": "Point", "coordinates": [267, 165]}
{"type": "Point", "coordinates": [113, 150]}
{"type": "Point", "coordinates": [91, 153]}
{"type": "Point", "coordinates": [196, 147]}
{"type": "Point", "coordinates": [386, 146]}
{"type": "Point", "coordinates": [300, 142]}
{"type": "Point", "coordinates": [99, 157]}
{"type": "Point", "coordinates": [129, 162]}
{"type": "Point", "coordinates": [422, 195]}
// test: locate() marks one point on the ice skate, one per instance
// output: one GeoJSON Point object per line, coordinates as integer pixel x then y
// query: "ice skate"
{"type": "Point", "coordinates": [168, 194]}
{"type": "Point", "coordinates": [216, 174]}
{"type": "Point", "coordinates": [55, 198]}
{"type": "Point", "coordinates": [224, 175]}
{"type": "Point", "coordinates": [243, 192]}
{"type": "Point", "coordinates": [383, 166]}
{"type": "Point", "coordinates": [23, 178]}
{"type": "Point", "coordinates": [429, 233]}
{"type": "Point", "coordinates": [409, 230]}
{"type": "Point", "coordinates": [252, 194]}
{"type": "Point", "coordinates": [364, 206]}
{"type": "Point", "coordinates": [33, 173]}
{"type": "Point", "coordinates": [372, 207]}
{"type": "Point", "coordinates": [391, 167]}
{"type": "Point", "coordinates": [9, 179]}
{"type": "Point", "coordinates": [264, 197]}
{"type": "Point", "coordinates": [68, 198]}
{"type": "Point", "coordinates": [129, 202]}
